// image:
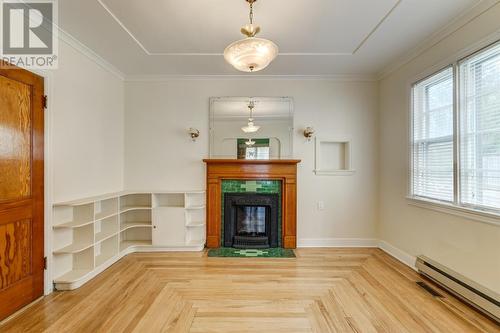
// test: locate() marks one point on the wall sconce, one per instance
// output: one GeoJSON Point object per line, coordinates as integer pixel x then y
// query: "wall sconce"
{"type": "Point", "coordinates": [309, 133]}
{"type": "Point", "coordinates": [193, 133]}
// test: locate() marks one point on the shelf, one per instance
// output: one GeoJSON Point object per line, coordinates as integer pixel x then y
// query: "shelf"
{"type": "Point", "coordinates": [72, 276]}
{"type": "Point", "coordinates": [195, 207]}
{"type": "Point", "coordinates": [72, 224]}
{"type": "Point", "coordinates": [195, 199]}
{"type": "Point", "coordinates": [130, 225]}
{"type": "Point", "coordinates": [103, 216]}
{"type": "Point", "coordinates": [73, 216]}
{"type": "Point", "coordinates": [103, 235]}
{"type": "Point", "coordinates": [138, 201]}
{"type": "Point", "coordinates": [165, 206]}
{"type": "Point", "coordinates": [168, 200]}
{"type": "Point", "coordinates": [104, 228]}
{"type": "Point", "coordinates": [129, 208]}
{"type": "Point", "coordinates": [73, 248]}
{"type": "Point", "coordinates": [126, 244]}
{"type": "Point", "coordinates": [196, 225]}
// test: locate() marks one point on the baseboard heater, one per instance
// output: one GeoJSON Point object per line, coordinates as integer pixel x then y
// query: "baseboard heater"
{"type": "Point", "coordinates": [485, 300]}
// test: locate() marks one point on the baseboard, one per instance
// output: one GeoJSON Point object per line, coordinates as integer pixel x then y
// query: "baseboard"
{"type": "Point", "coordinates": [400, 255]}
{"type": "Point", "coordinates": [390, 249]}
{"type": "Point", "coordinates": [337, 242]}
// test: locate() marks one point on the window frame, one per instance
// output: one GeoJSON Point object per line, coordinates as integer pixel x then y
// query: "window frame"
{"type": "Point", "coordinates": [455, 207]}
{"type": "Point", "coordinates": [411, 137]}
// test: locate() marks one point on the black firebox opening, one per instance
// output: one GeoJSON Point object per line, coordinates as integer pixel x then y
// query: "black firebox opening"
{"type": "Point", "coordinates": [251, 220]}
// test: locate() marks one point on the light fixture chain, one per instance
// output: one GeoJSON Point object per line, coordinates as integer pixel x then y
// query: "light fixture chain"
{"type": "Point", "coordinates": [251, 54]}
{"type": "Point", "coordinates": [251, 12]}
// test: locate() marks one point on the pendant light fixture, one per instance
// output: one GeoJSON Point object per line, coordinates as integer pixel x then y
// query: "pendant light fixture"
{"type": "Point", "coordinates": [251, 54]}
{"type": "Point", "coordinates": [250, 128]}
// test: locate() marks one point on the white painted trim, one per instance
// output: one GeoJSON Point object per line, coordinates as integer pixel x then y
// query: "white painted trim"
{"type": "Point", "coordinates": [339, 77]}
{"type": "Point", "coordinates": [337, 242]}
{"type": "Point", "coordinates": [48, 180]}
{"type": "Point", "coordinates": [90, 54]}
{"type": "Point", "coordinates": [106, 8]}
{"type": "Point", "coordinates": [393, 251]}
{"type": "Point", "coordinates": [48, 175]}
{"type": "Point", "coordinates": [372, 32]}
{"type": "Point", "coordinates": [465, 212]}
{"type": "Point", "coordinates": [400, 255]}
{"type": "Point", "coordinates": [469, 15]}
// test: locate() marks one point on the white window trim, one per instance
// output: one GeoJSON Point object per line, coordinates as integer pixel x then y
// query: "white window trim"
{"type": "Point", "coordinates": [453, 208]}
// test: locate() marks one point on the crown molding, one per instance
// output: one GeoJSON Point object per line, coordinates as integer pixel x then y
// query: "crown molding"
{"type": "Point", "coordinates": [467, 16]}
{"type": "Point", "coordinates": [338, 77]}
{"type": "Point", "coordinates": [89, 53]}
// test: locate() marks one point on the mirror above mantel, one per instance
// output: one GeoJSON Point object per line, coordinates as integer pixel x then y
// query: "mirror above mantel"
{"type": "Point", "coordinates": [251, 127]}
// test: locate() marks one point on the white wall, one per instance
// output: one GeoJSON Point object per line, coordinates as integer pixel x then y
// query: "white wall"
{"type": "Point", "coordinates": [86, 127]}
{"type": "Point", "coordinates": [160, 154]}
{"type": "Point", "coordinates": [470, 247]}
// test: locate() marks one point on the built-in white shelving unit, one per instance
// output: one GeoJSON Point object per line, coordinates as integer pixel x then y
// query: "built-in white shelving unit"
{"type": "Point", "coordinates": [91, 234]}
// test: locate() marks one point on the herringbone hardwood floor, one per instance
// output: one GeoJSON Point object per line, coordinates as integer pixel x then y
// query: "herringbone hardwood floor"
{"type": "Point", "coordinates": [322, 290]}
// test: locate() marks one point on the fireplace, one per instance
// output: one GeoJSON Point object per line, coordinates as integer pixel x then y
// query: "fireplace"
{"type": "Point", "coordinates": [251, 220]}
{"type": "Point", "coordinates": [285, 171]}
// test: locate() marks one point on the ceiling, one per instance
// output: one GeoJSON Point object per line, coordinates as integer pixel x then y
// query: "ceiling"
{"type": "Point", "coordinates": [315, 37]}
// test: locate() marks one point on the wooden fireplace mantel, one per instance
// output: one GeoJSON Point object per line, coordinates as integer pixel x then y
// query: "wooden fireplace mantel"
{"type": "Point", "coordinates": [283, 170]}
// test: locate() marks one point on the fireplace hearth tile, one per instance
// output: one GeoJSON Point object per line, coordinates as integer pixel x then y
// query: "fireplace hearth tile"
{"type": "Point", "coordinates": [251, 253]}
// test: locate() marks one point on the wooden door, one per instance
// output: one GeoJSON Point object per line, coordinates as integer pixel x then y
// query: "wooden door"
{"type": "Point", "coordinates": [21, 189]}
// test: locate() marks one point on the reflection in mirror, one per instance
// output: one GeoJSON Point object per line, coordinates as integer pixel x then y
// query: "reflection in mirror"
{"type": "Point", "coordinates": [251, 127]}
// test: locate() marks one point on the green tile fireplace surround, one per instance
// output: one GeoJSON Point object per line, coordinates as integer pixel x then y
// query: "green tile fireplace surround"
{"type": "Point", "coordinates": [252, 186]}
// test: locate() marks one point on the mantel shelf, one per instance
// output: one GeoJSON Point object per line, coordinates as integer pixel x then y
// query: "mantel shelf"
{"type": "Point", "coordinates": [243, 161]}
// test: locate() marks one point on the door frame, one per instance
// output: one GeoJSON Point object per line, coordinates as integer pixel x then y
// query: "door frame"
{"type": "Point", "coordinates": [48, 177]}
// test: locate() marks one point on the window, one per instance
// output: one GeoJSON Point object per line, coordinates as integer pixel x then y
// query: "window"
{"type": "Point", "coordinates": [455, 148]}
{"type": "Point", "coordinates": [433, 137]}
{"type": "Point", "coordinates": [479, 116]}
